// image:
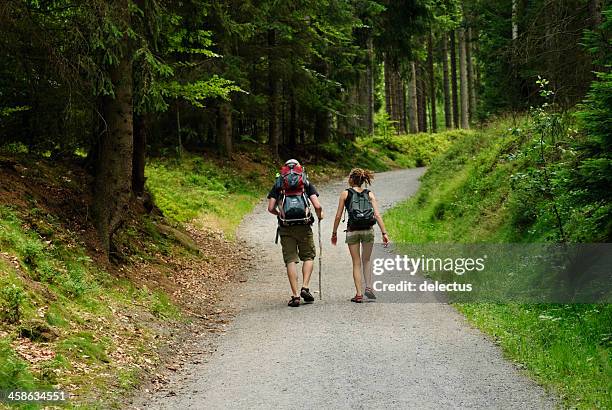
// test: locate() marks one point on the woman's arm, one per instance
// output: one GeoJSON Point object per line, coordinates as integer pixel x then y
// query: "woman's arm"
{"type": "Point", "coordinates": [338, 217]}
{"type": "Point", "coordinates": [378, 218]}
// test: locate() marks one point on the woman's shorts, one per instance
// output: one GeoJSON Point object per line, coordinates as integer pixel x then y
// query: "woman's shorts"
{"type": "Point", "coordinates": [361, 236]}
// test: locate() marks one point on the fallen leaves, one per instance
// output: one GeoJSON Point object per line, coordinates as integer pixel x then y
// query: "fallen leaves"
{"type": "Point", "coordinates": [135, 341]}
{"type": "Point", "coordinates": [33, 353]}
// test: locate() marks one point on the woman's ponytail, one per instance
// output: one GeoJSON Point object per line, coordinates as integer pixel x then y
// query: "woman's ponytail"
{"type": "Point", "coordinates": [359, 176]}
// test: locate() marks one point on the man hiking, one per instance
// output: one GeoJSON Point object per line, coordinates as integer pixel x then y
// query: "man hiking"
{"type": "Point", "coordinates": [290, 200]}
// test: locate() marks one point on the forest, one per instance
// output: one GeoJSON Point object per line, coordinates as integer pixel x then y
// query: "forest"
{"type": "Point", "coordinates": [117, 81]}
{"type": "Point", "coordinates": [118, 116]}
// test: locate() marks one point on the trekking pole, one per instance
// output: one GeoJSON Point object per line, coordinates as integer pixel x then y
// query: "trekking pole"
{"type": "Point", "coordinates": [320, 254]}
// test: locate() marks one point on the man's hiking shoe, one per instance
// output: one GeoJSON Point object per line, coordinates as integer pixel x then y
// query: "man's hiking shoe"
{"type": "Point", "coordinates": [294, 302]}
{"type": "Point", "coordinates": [306, 295]}
{"type": "Point", "coordinates": [357, 299]}
{"type": "Point", "coordinates": [370, 294]}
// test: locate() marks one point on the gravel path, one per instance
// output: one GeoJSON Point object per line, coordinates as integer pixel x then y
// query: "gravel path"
{"type": "Point", "coordinates": [337, 354]}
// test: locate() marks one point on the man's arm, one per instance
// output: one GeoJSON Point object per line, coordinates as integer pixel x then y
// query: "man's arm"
{"type": "Point", "coordinates": [314, 200]}
{"type": "Point", "coordinates": [272, 206]}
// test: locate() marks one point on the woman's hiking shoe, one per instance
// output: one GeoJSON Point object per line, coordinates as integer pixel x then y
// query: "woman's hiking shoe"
{"type": "Point", "coordinates": [294, 302]}
{"type": "Point", "coordinates": [306, 295]}
{"type": "Point", "coordinates": [369, 294]}
{"type": "Point", "coordinates": [357, 299]}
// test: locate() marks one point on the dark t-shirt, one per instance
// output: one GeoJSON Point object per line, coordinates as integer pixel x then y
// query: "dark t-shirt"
{"type": "Point", "coordinates": [309, 190]}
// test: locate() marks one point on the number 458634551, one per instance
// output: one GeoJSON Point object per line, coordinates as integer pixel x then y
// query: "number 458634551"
{"type": "Point", "coordinates": [13, 396]}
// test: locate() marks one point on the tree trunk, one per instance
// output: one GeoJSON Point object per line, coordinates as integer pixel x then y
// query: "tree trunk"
{"type": "Point", "coordinates": [476, 67]}
{"type": "Point", "coordinates": [399, 100]}
{"type": "Point", "coordinates": [283, 120]}
{"type": "Point", "coordinates": [370, 85]}
{"type": "Point", "coordinates": [224, 128]}
{"type": "Point", "coordinates": [392, 96]}
{"type": "Point", "coordinates": [98, 127]}
{"type": "Point", "coordinates": [470, 75]}
{"type": "Point", "coordinates": [455, 93]}
{"type": "Point", "coordinates": [421, 99]}
{"type": "Point", "coordinates": [113, 182]}
{"type": "Point", "coordinates": [515, 27]}
{"type": "Point", "coordinates": [404, 109]}
{"type": "Point", "coordinates": [274, 130]}
{"type": "Point", "coordinates": [394, 105]}
{"type": "Point", "coordinates": [293, 130]}
{"type": "Point", "coordinates": [412, 100]}
{"type": "Point", "coordinates": [322, 131]}
{"type": "Point", "coordinates": [595, 7]}
{"type": "Point", "coordinates": [361, 111]}
{"type": "Point", "coordinates": [465, 98]}
{"type": "Point", "coordinates": [179, 134]}
{"type": "Point", "coordinates": [357, 101]}
{"type": "Point", "coordinates": [139, 156]}
{"type": "Point", "coordinates": [348, 103]}
{"type": "Point", "coordinates": [448, 115]}
{"type": "Point", "coordinates": [552, 56]}
{"type": "Point", "coordinates": [387, 78]}
{"type": "Point", "coordinates": [432, 83]}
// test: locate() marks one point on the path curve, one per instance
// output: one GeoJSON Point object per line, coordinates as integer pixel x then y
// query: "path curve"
{"type": "Point", "coordinates": [337, 354]}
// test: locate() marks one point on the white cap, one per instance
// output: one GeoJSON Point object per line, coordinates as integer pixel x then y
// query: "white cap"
{"type": "Point", "coordinates": [292, 162]}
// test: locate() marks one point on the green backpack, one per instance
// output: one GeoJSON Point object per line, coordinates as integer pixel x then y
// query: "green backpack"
{"type": "Point", "coordinates": [359, 209]}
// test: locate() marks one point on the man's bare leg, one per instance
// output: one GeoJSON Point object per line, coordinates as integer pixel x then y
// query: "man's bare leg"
{"type": "Point", "coordinates": [307, 269]}
{"type": "Point", "coordinates": [293, 279]}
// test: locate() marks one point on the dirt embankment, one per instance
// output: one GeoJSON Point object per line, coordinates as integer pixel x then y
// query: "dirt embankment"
{"type": "Point", "coordinates": [194, 267]}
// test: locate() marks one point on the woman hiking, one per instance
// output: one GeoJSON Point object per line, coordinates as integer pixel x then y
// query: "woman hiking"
{"type": "Point", "coordinates": [363, 214]}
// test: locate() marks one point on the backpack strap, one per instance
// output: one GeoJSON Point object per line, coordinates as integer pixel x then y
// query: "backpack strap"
{"type": "Point", "coordinates": [350, 191]}
{"type": "Point", "coordinates": [346, 202]}
{"type": "Point", "coordinates": [305, 179]}
{"type": "Point", "coordinates": [307, 200]}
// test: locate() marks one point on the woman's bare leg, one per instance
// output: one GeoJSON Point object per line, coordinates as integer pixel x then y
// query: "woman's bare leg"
{"type": "Point", "coordinates": [366, 262]}
{"type": "Point", "coordinates": [354, 250]}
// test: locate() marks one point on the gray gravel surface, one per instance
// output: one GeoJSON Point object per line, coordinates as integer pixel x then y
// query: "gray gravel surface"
{"type": "Point", "coordinates": [337, 354]}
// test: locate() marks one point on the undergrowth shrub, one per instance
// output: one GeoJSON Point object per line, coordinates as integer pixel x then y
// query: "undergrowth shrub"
{"type": "Point", "coordinates": [11, 299]}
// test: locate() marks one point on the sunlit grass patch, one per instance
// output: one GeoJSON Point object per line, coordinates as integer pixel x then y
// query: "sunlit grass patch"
{"type": "Point", "coordinates": [192, 189]}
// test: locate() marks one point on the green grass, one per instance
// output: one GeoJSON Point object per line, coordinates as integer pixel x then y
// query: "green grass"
{"type": "Point", "coordinates": [162, 306]}
{"type": "Point", "coordinates": [470, 194]}
{"type": "Point", "coordinates": [56, 284]}
{"type": "Point", "coordinates": [405, 151]}
{"type": "Point", "coordinates": [44, 257]}
{"type": "Point", "coordinates": [567, 347]}
{"type": "Point", "coordinates": [14, 372]}
{"type": "Point", "coordinates": [84, 345]}
{"type": "Point", "coordinates": [195, 189]}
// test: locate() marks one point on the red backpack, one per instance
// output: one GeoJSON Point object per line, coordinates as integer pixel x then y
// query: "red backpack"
{"type": "Point", "coordinates": [294, 207]}
{"type": "Point", "coordinates": [293, 179]}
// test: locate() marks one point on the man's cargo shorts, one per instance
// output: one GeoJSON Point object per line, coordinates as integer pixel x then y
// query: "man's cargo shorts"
{"type": "Point", "coordinates": [298, 243]}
